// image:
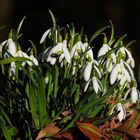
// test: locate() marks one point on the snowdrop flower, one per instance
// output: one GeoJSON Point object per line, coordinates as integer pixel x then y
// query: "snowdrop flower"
{"type": "Point", "coordinates": [115, 73]}
{"type": "Point", "coordinates": [11, 47]}
{"type": "Point", "coordinates": [60, 49]}
{"type": "Point", "coordinates": [77, 49]}
{"type": "Point", "coordinates": [97, 86]}
{"type": "Point", "coordinates": [103, 50]}
{"type": "Point", "coordinates": [122, 112]}
{"type": "Point", "coordinates": [135, 94]}
{"type": "Point", "coordinates": [119, 73]}
{"type": "Point", "coordinates": [88, 69]}
{"type": "Point", "coordinates": [125, 52]}
{"type": "Point", "coordinates": [130, 59]}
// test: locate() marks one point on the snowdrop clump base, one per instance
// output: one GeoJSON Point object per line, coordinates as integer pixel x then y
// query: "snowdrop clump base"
{"type": "Point", "coordinates": [64, 76]}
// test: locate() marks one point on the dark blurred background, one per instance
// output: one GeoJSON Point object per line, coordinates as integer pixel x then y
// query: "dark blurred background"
{"type": "Point", "coordinates": [92, 14]}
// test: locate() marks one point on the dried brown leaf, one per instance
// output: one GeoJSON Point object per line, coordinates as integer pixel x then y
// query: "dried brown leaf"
{"type": "Point", "coordinates": [48, 131]}
{"type": "Point", "coordinates": [89, 130]}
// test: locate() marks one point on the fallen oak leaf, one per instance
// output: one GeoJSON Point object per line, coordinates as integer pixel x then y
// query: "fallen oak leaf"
{"type": "Point", "coordinates": [90, 131]}
{"type": "Point", "coordinates": [48, 131]}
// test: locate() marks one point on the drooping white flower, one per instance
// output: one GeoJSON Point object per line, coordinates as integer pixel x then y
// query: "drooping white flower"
{"type": "Point", "coordinates": [119, 72]}
{"type": "Point", "coordinates": [130, 59]}
{"type": "Point", "coordinates": [135, 94]}
{"type": "Point", "coordinates": [116, 71]}
{"type": "Point", "coordinates": [59, 49]}
{"type": "Point", "coordinates": [79, 47]}
{"type": "Point", "coordinates": [125, 52]}
{"type": "Point", "coordinates": [11, 47]}
{"type": "Point", "coordinates": [89, 53]}
{"type": "Point", "coordinates": [103, 50]}
{"type": "Point", "coordinates": [87, 71]}
{"type": "Point", "coordinates": [97, 86]}
{"type": "Point", "coordinates": [122, 112]}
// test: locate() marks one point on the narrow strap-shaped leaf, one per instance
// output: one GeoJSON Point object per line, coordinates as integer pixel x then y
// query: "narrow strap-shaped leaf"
{"type": "Point", "coordinates": [5, 131]}
{"type": "Point", "coordinates": [13, 59]}
{"type": "Point", "coordinates": [97, 33]}
{"type": "Point", "coordinates": [20, 24]}
{"type": "Point", "coordinates": [112, 34]}
{"type": "Point", "coordinates": [42, 108]}
{"type": "Point", "coordinates": [56, 81]}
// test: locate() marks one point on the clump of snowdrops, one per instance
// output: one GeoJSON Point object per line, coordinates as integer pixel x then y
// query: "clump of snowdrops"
{"type": "Point", "coordinates": [38, 87]}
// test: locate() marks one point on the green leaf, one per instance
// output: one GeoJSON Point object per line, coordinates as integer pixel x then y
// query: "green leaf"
{"type": "Point", "coordinates": [6, 117]}
{"type": "Point", "coordinates": [34, 48]}
{"type": "Point", "coordinates": [56, 81]}
{"type": "Point", "coordinates": [5, 131]}
{"type": "Point", "coordinates": [91, 104]}
{"type": "Point", "coordinates": [96, 111]}
{"type": "Point", "coordinates": [97, 33]}
{"type": "Point", "coordinates": [20, 24]}
{"type": "Point", "coordinates": [53, 19]}
{"type": "Point", "coordinates": [13, 59]}
{"type": "Point", "coordinates": [112, 34]}
{"type": "Point", "coordinates": [119, 40]}
{"type": "Point", "coordinates": [130, 43]}
{"type": "Point", "coordinates": [42, 104]}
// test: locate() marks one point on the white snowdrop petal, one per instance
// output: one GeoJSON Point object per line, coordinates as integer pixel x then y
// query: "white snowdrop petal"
{"type": "Point", "coordinates": [100, 85]}
{"type": "Point", "coordinates": [11, 47]}
{"type": "Point", "coordinates": [86, 86]}
{"type": "Point", "coordinates": [132, 62]}
{"type": "Point", "coordinates": [114, 74]}
{"type": "Point", "coordinates": [87, 71]}
{"type": "Point", "coordinates": [134, 95]}
{"type": "Point", "coordinates": [98, 72]}
{"type": "Point", "coordinates": [53, 60]}
{"type": "Point", "coordinates": [103, 50]}
{"type": "Point", "coordinates": [2, 44]}
{"type": "Point", "coordinates": [122, 110]}
{"type": "Point", "coordinates": [44, 36]}
{"type": "Point", "coordinates": [113, 56]}
{"type": "Point", "coordinates": [126, 94]}
{"type": "Point", "coordinates": [73, 50]}
{"type": "Point", "coordinates": [127, 75]}
{"type": "Point", "coordinates": [95, 84]}
{"type": "Point", "coordinates": [61, 58]}
{"type": "Point", "coordinates": [109, 65]}
{"type": "Point", "coordinates": [123, 80]}
{"type": "Point", "coordinates": [129, 69]}
{"type": "Point", "coordinates": [90, 54]}
{"type": "Point", "coordinates": [33, 59]}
